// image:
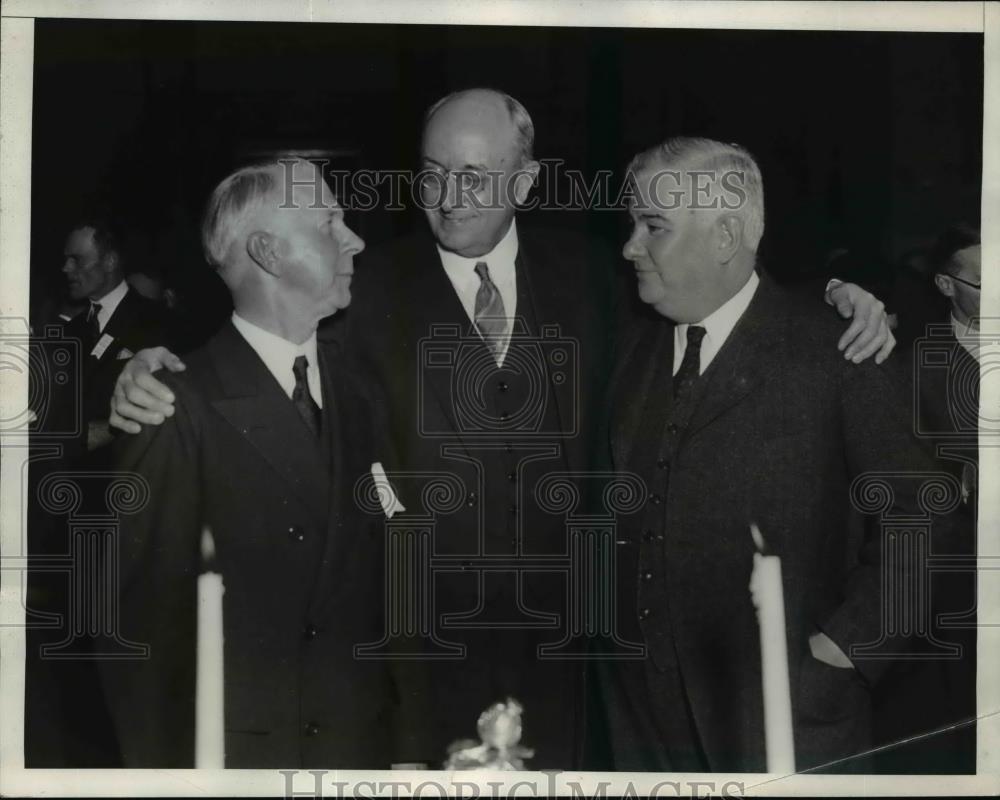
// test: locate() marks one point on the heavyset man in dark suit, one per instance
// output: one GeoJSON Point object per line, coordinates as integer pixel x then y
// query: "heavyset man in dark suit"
{"type": "Point", "coordinates": [733, 405]}
{"type": "Point", "coordinates": [270, 437]}
{"type": "Point", "coordinates": [459, 331]}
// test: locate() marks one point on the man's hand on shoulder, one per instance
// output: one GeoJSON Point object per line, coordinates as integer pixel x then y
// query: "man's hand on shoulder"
{"type": "Point", "coordinates": [139, 398]}
{"type": "Point", "coordinates": [868, 334]}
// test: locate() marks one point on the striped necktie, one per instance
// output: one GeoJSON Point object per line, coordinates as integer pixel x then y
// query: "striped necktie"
{"type": "Point", "coordinates": [490, 317]}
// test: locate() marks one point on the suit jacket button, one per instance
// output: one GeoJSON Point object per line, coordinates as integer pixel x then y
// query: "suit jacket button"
{"type": "Point", "coordinates": [310, 632]}
{"type": "Point", "coordinates": [470, 499]}
{"type": "Point", "coordinates": [312, 729]}
{"type": "Point", "coordinates": [502, 386]}
{"type": "Point", "coordinates": [655, 499]}
{"type": "Point", "coordinates": [647, 576]}
{"type": "Point", "coordinates": [512, 477]}
{"type": "Point", "coordinates": [646, 613]}
{"type": "Point", "coordinates": [296, 533]}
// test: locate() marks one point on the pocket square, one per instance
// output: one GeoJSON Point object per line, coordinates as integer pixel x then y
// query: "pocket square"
{"type": "Point", "coordinates": [124, 353]}
{"type": "Point", "coordinates": [386, 494]}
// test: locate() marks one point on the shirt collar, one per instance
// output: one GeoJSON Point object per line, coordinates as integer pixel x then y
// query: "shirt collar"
{"type": "Point", "coordinates": [720, 323]}
{"type": "Point", "coordinates": [501, 257]}
{"type": "Point", "coordinates": [277, 354]}
{"type": "Point", "coordinates": [109, 303]}
{"type": "Point", "coordinates": [967, 335]}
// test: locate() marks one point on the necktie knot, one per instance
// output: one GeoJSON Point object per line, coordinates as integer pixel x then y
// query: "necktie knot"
{"type": "Point", "coordinates": [690, 364]}
{"type": "Point", "coordinates": [695, 333]}
{"type": "Point", "coordinates": [299, 369]}
{"type": "Point", "coordinates": [489, 314]}
{"type": "Point", "coordinates": [93, 334]}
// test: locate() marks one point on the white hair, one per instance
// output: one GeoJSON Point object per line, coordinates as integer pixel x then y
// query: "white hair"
{"type": "Point", "coordinates": [235, 201]}
{"type": "Point", "coordinates": [725, 160]}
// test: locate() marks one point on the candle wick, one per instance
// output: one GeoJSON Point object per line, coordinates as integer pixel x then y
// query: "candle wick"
{"type": "Point", "coordinates": [758, 539]}
{"type": "Point", "coordinates": [207, 549]}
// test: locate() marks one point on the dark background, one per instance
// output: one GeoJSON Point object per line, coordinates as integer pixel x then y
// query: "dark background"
{"type": "Point", "coordinates": [868, 141]}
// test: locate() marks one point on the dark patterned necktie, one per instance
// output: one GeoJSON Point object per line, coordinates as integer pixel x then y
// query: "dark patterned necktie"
{"type": "Point", "coordinates": [490, 317]}
{"type": "Point", "coordinates": [303, 400]}
{"type": "Point", "coordinates": [93, 326]}
{"type": "Point", "coordinates": [690, 364]}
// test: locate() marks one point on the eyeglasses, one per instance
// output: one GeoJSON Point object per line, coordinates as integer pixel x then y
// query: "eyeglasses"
{"type": "Point", "coordinates": [433, 183]}
{"type": "Point", "coordinates": [976, 286]}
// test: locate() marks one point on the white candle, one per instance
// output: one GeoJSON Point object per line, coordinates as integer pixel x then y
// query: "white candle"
{"type": "Point", "coordinates": [768, 598]}
{"type": "Point", "coordinates": [209, 735]}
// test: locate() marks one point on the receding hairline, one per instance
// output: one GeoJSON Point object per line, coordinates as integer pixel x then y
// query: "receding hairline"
{"type": "Point", "coordinates": [522, 127]}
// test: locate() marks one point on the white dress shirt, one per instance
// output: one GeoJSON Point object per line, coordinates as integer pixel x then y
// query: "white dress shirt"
{"type": "Point", "coordinates": [968, 337]}
{"type": "Point", "coordinates": [279, 355]}
{"type": "Point", "coordinates": [109, 304]}
{"type": "Point", "coordinates": [461, 271]}
{"type": "Point", "coordinates": [718, 325]}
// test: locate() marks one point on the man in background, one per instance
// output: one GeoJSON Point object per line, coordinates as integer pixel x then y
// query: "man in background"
{"type": "Point", "coordinates": [943, 362]}
{"type": "Point", "coordinates": [117, 321]}
{"type": "Point", "coordinates": [65, 722]}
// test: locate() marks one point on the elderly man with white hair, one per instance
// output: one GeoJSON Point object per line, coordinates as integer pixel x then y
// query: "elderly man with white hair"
{"type": "Point", "coordinates": [269, 438]}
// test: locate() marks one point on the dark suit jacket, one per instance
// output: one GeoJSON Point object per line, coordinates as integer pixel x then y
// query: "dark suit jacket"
{"type": "Point", "coordinates": [64, 715]}
{"type": "Point", "coordinates": [137, 323]}
{"type": "Point", "coordinates": [781, 427]}
{"type": "Point", "coordinates": [944, 402]}
{"type": "Point", "coordinates": [297, 556]}
{"type": "Point", "coordinates": [400, 294]}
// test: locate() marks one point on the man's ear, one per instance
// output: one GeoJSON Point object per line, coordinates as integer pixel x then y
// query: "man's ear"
{"type": "Point", "coordinates": [524, 179]}
{"type": "Point", "coordinates": [262, 247]}
{"type": "Point", "coordinates": [944, 284]}
{"type": "Point", "coordinates": [729, 236]}
{"type": "Point", "coordinates": [110, 261]}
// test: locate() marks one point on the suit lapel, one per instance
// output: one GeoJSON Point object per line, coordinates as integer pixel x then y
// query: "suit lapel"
{"type": "Point", "coordinates": [258, 408]}
{"type": "Point", "coordinates": [648, 341]}
{"type": "Point", "coordinates": [434, 307]}
{"type": "Point", "coordinates": [547, 295]}
{"type": "Point", "coordinates": [124, 315]}
{"type": "Point", "coordinates": [348, 434]}
{"type": "Point", "coordinates": [740, 365]}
